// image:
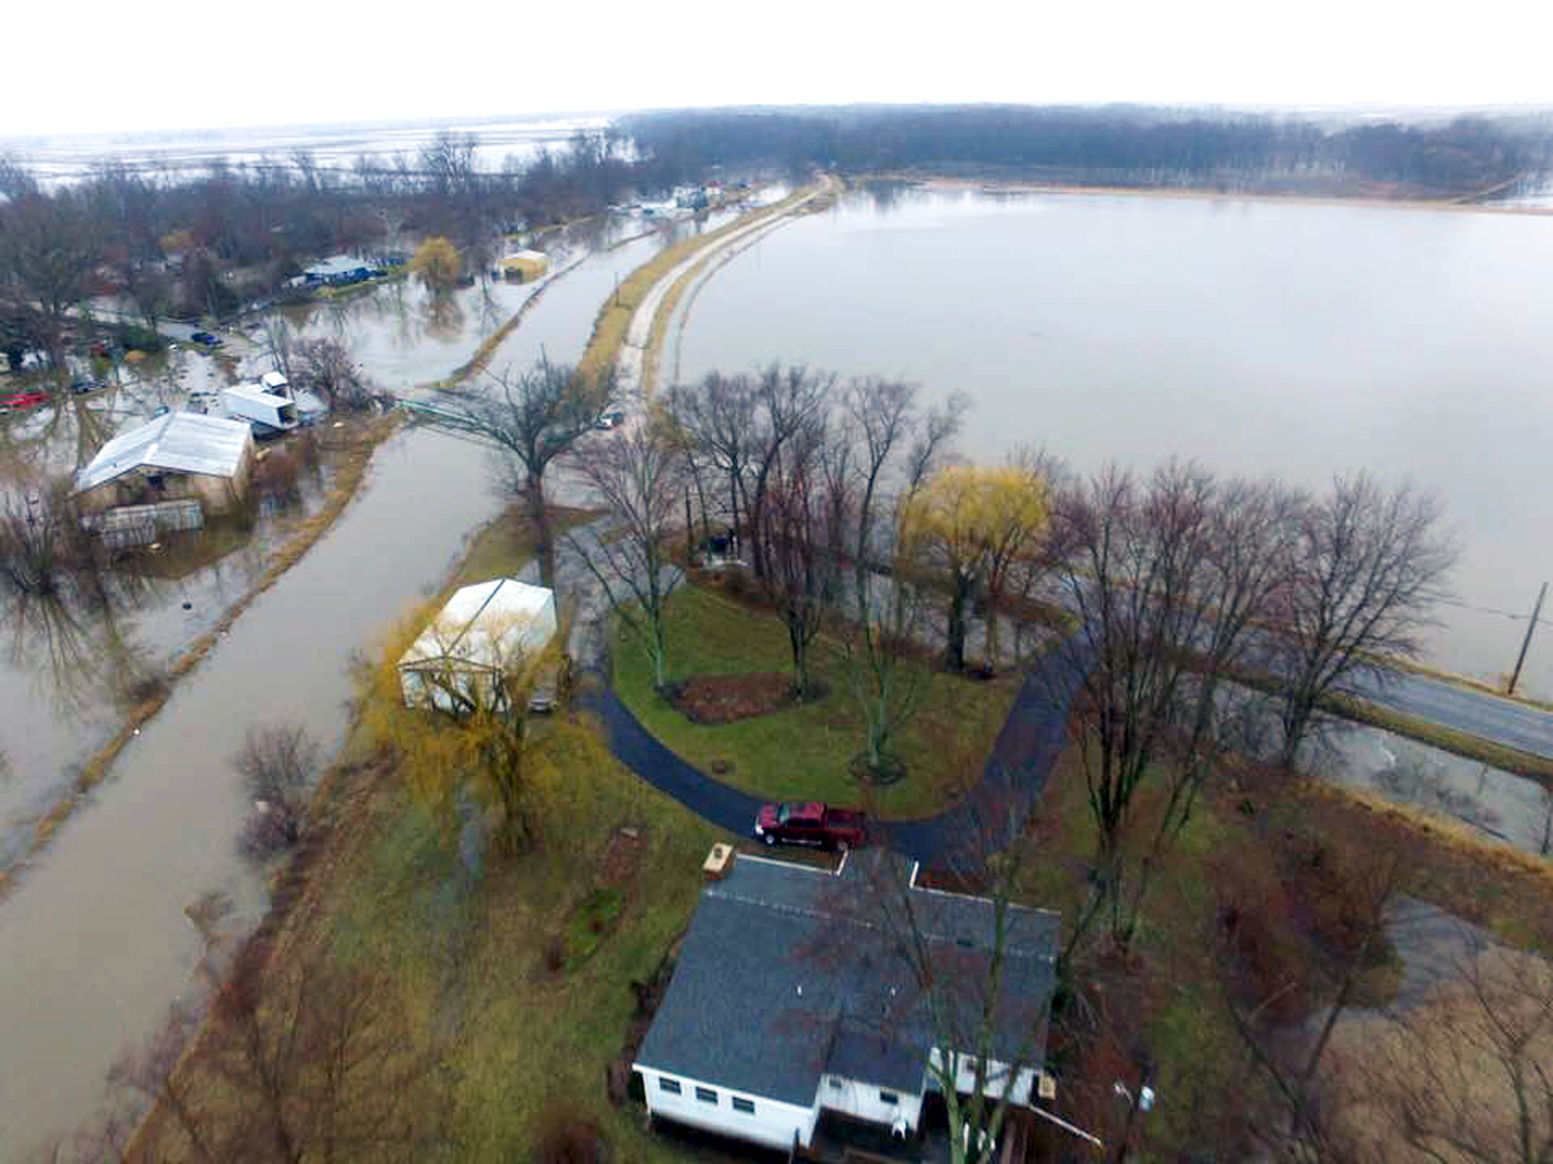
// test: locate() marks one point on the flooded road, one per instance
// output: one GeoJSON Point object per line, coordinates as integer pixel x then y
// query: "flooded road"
{"type": "Point", "coordinates": [1297, 339]}
{"type": "Point", "coordinates": [94, 944]}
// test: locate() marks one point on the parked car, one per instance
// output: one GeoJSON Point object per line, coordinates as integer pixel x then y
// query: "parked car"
{"type": "Point", "coordinates": [811, 823]}
{"type": "Point", "coordinates": [205, 339]}
{"type": "Point", "coordinates": [550, 685]}
{"type": "Point", "coordinates": [610, 420]}
{"type": "Point", "coordinates": [81, 385]}
{"type": "Point", "coordinates": [20, 400]}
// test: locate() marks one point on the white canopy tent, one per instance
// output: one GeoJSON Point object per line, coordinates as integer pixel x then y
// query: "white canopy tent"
{"type": "Point", "coordinates": [484, 632]}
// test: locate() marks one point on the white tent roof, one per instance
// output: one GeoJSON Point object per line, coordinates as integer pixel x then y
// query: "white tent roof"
{"type": "Point", "coordinates": [487, 625]}
{"type": "Point", "coordinates": [185, 442]}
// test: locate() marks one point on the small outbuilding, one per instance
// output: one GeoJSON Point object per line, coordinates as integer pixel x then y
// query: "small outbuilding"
{"type": "Point", "coordinates": [175, 456]}
{"type": "Point", "coordinates": [524, 266]}
{"type": "Point", "coordinates": [483, 633]}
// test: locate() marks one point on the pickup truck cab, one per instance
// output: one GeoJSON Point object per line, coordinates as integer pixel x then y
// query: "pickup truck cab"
{"type": "Point", "coordinates": [810, 823]}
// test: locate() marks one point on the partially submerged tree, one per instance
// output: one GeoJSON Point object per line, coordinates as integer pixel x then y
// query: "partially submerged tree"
{"type": "Point", "coordinates": [324, 367]}
{"type": "Point", "coordinates": [1370, 563]}
{"type": "Point", "coordinates": [533, 417]}
{"type": "Point", "coordinates": [49, 248]}
{"type": "Point", "coordinates": [437, 265]}
{"type": "Point", "coordinates": [277, 766]}
{"type": "Point", "coordinates": [639, 475]}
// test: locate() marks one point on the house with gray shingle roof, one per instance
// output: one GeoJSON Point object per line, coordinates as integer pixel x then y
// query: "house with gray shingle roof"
{"type": "Point", "coordinates": [799, 994]}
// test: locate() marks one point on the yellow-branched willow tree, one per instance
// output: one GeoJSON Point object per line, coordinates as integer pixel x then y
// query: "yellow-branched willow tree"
{"type": "Point", "coordinates": [972, 524]}
{"type": "Point", "coordinates": [437, 265]}
{"type": "Point", "coordinates": [467, 727]}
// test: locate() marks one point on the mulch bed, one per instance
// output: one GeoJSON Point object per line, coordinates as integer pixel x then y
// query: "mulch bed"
{"type": "Point", "coordinates": [720, 699]}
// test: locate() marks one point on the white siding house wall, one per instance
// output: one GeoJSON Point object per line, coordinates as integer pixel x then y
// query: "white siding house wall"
{"type": "Point", "coordinates": [771, 1123]}
{"type": "Point", "coordinates": [997, 1076]}
{"type": "Point", "coordinates": [862, 1101]}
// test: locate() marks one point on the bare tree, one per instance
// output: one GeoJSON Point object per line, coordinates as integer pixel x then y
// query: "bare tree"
{"type": "Point", "coordinates": [789, 535]}
{"type": "Point", "coordinates": [640, 476]}
{"type": "Point", "coordinates": [1368, 565]}
{"type": "Point", "coordinates": [278, 766]}
{"type": "Point", "coordinates": [298, 1060]}
{"type": "Point", "coordinates": [1466, 1075]}
{"type": "Point", "coordinates": [1166, 577]}
{"type": "Point", "coordinates": [717, 419]}
{"type": "Point", "coordinates": [536, 416]}
{"type": "Point", "coordinates": [1303, 1128]}
{"type": "Point", "coordinates": [324, 366]}
{"type": "Point", "coordinates": [50, 247]}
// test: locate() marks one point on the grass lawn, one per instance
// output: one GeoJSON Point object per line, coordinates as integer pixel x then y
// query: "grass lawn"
{"type": "Point", "coordinates": [471, 955]}
{"type": "Point", "coordinates": [803, 752]}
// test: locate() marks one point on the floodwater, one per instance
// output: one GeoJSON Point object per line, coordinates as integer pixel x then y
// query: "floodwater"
{"type": "Point", "coordinates": [63, 158]}
{"type": "Point", "coordinates": [1257, 336]}
{"type": "Point", "coordinates": [96, 944]}
{"type": "Point", "coordinates": [1510, 809]}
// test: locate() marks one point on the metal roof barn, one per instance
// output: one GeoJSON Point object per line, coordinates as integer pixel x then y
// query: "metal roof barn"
{"type": "Point", "coordinates": [484, 632]}
{"type": "Point", "coordinates": [184, 442]}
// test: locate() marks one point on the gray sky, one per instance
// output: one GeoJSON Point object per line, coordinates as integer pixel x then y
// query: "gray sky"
{"type": "Point", "coordinates": [90, 66]}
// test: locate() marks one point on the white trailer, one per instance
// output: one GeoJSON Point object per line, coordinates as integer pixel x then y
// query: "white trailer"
{"type": "Point", "coordinates": [265, 411]}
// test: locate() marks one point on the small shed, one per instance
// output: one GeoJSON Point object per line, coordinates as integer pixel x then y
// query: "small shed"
{"type": "Point", "coordinates": [177, 455]}
{"type": "Point", "coordinates": [276, 384]}
{"type": "Point", "coordinates": [483, 633]}
{"type": "Point", "coordinates": [524, 266]}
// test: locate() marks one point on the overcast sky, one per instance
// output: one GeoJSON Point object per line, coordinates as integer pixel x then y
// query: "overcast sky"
{"type": "Point", "coordinates": [87, 66]}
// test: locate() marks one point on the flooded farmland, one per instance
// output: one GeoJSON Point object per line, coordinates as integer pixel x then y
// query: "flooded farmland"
{"type": "Point", "coordinates": [1269, 336]}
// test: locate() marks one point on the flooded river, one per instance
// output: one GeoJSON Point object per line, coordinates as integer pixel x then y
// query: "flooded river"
{"type": "Point", "coordinates": [95, 943]}
{"type": "Point", "coordinates": [1277, 337]}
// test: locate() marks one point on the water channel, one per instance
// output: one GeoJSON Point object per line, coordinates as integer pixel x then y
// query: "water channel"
{"type": "Point", "coordinates": [95, 940]}
{"type": "Point", "coordinates": [1258, 336]}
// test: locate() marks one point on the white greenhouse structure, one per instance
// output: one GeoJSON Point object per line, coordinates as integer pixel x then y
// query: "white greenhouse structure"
{"type": "Point", "coordinates": [485, 632]}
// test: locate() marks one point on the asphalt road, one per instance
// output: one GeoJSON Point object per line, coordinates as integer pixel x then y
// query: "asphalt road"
{"type": "Point", "coordinates": [1502, 721]}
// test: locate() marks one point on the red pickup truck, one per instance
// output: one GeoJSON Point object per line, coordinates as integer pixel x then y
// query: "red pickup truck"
{"type": "Point", "coordinates": [22, 400]}
{"type": "Point", "coordinates": [811, 823]}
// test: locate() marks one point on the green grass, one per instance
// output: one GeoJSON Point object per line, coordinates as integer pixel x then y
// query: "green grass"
{"type": "Point", "coordinates": [590, 925]}
{"type": "Point", "coordinates": [804, 751]}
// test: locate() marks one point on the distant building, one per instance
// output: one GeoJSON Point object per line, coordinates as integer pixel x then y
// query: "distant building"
{"type": "Point", "coordinates": [484, 632]}
{"type": "Point", "coordinates": [792, 1010]}
{"type": "Point", "coordinates": [339, 270]}
{"type": "Point", "coordinates": [524, 266]}
{"type": "Point", "coordinates": [178, 455]}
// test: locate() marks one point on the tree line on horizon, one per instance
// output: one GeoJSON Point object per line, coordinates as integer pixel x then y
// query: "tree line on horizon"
{"type": "Point", "coordinates": [1127, 145]}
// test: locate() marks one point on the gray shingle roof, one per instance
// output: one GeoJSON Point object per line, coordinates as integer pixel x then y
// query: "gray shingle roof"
{"type": "Point", "coordinates": [787, 973]}
{"type": "Point", "coordinates": [186, 442]}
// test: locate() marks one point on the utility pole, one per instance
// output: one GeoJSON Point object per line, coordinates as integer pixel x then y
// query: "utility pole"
{"type": "Point", "coordinates": [1515, 675]}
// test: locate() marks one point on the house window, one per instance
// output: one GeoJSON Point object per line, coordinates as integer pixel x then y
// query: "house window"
{"type": "Point", "coordinates": [669, 1085]}
{"type": "Point", "coordinates": [747, 1106]}
{"type": "Point", "coordinates": [889, 1097]}
{"type": "Point", "coordinates": [834, 1083]}
{"type": "Point", "coordinates": [706, 1095]}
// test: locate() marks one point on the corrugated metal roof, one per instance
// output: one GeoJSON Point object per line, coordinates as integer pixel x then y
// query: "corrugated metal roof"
{"type": "Point", "coordinates": [186, 442]}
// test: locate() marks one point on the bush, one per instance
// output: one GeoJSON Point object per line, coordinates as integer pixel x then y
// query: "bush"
{"type": "Point", "coordinates": [567, 1138]}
